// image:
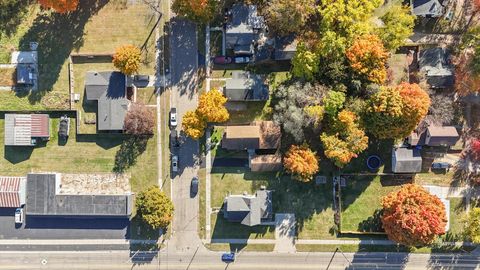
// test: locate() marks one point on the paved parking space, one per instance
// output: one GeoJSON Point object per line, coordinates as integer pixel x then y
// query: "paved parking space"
{"type": "Point", "coordinates": [62, 228]}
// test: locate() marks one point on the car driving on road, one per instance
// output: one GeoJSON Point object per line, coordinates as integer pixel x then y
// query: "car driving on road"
{"type": "Point", "coordinates": [173, 117]}
{"type": "Point", "coordinates": [194, 186]}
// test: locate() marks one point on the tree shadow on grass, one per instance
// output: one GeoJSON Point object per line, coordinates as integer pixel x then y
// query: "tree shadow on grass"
{"type": "Point", "coordinates": [130, 149]}
{"type": "Point", "coordinates": [57, 35]}
{"type": "Point", "coordinates": [372, 224]}
{"type": "Point", "coordinates": [11, 16]}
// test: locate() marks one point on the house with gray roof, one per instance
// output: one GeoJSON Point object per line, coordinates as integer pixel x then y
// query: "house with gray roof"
{"type": "Point", "coordinates": [427, 8]}
{"type": "Point", "coordinates": [26, 129]}
{"type": "Point", "coordinates": [243, 29]}
{"type": "Point", "coordinates": [405, 160]}
{"type": "Point", "coordinates": [436, 65]}
{"type": "Point", "coordinates": [43, 198]}
{"type": "Point", "coordinates": [246, 86]}
{"type": "Point", "coordinates": [249, 210]}
{"type": "Point", "coordinates": [108, 88]}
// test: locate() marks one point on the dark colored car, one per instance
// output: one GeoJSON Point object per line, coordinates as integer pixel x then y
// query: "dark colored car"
{"type": "Point", "coordinates": [174, 141]}
{"type": "Point", "coordinates": [194, 187]}
{"type": "Point", "coordinates": [228, 257]}
{"type": "Point", "coordinates": [64, 127]}
{"type": "Point", "coordinates": [221, 60]}
{"type": "Point", "coordinates": [141, 78]}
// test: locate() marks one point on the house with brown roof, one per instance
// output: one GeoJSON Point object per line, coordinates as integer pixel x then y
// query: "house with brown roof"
{"type": "Point", "coordinates": [434, 136]}
{"type": "Point", "coordinates": [26, 129]}
{"type": "Point", "coordinates": [261, 135]}
{"type": "Point", "coordinates": [261, 139]}
{"type": "Point", "coordinates": [441, 136]}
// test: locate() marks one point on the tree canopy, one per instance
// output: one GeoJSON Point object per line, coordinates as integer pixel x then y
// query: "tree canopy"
{"type": "Point", "coordinates": [127, 59]}
{"type": "Point", "coordinates": [201, 11]}
{"type": "Point", "coordinates": [193, 125]}
{"type": "Point", "coordinates": [154, 207]}
{"type": "Point", "coordinates": [345, 140]}
{"type": "Point", "coordinates": [140, 120]}
{"type": "Point", "coordinates": [368, 58]}
{"type": "Point", "coordinates": [333, 102]}
{"type": "Point", "coordinates": [302, 162]}
{"type": "Point", "coordinates": [288, 16]}
{"type": "Point", "coordinates": [60, 6]}
{"type": "Point", "coordinates": [472, 228]}
{"type": "Point", "coordinates": [394, 112]}
{"type": "Point", "coordinates": [305, 63]}
{"type": "Point", "coordinates": [211, 106]}
{"type": "Point", "coordinates": [412, 216]}
{"type": "Point", "coordinates": [399, 22]}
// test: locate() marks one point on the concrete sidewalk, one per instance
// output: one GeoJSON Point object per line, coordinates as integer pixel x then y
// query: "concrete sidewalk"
{"type": "Point", "coordinates": [48, 242]}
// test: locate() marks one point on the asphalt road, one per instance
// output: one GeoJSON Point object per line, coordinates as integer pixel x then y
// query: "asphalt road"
{"type": "Point", "coordinates": [62, 228]}
{"type": "Point", "coordinates": [167, 260]}
{"type": "Point", "coordinates": [184, 65]}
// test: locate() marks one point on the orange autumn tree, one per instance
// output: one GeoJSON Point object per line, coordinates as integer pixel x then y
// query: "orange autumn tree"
{"type": "Point", "coordinates": [211, 106]}
{"type": "Point", "coordinates": [368, 58]}
{"type": "Point", "coordinates": [60, 6]}
{"type": "Point", "coordinates": [412, 216]}
{"type": "Point", "coordinates": [127, 59]}
{"type": "Point", "coordinates": [201, 11]}
{"type": "Point", "coordinates": [416, 102]}
{"type": "Point", "coordinates": [301, 162]}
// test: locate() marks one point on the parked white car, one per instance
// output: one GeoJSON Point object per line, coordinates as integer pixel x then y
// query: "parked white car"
{"type": "Point", "coordinates": [19, 216]}
{"type": "Point", "coordinates": [173, 117]}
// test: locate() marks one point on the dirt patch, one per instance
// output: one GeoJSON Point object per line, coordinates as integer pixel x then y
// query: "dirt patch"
{"type": "Point", "coordinates": [7, 76]}
{"type": "Point", "coordinates": [98, 184]}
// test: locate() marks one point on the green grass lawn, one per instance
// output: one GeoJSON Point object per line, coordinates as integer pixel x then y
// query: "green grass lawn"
{"type": "Point", "coordinates": [432, 178]}
{"type": "Point", "coordinates": [312, 205]}
{"type": "Point", "coordinates": [147, 95]}
{"type": "Point", "coordinates": [361, 203]}
{"type": "Point", "coordinates": [457, 217]}
{"type": "Point", "coordinates": [94, 29]}
{"type": "Point", "coordinates": [81, 154]}
{"type": "Point", "coordinates": [239, 247]}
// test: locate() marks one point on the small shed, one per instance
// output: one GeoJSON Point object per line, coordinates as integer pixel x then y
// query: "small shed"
{"type": "Point", "coordinates": [26, 129]}
{"type": "Point", "coordinates": [24, 74]}
{"type": "Point", "coordinates": [441, 136]}
{"type": "Point", "coordinates": [405, 160]}
{"type": "Point", "coordinates": [12, 191]}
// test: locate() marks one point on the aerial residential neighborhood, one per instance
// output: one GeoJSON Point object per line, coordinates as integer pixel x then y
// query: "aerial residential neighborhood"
{"type": "Point", "coordinates": [239, 134]}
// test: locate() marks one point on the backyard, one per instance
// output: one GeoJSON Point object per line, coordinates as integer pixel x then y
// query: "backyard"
{"type": "Point", "coordinates": [311, 204]}
{"type": "Point", "coordinates": [93, 28]}
{"type": "Point", "coordinates": [361, 202]}
{"type": "Point", "coordinates": [102, 153]}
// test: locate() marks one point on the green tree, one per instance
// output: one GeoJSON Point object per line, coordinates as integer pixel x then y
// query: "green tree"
{"type": "Point", "coordinates": [348, 18]}
{"type": "Point", "coordinates": [472, 228]}
{"type": "Point", "coordinates": [333, 102]}
{"type": "Point", "coordinates": [305, 63]}
{"type": "Point", "coordinates": [154, 207]}
{"type": "Point", "coordinates": [201, 11]}
{"type": "Point", "coordinates": [288, 16]}
{"type": "Point", "coordinates": [399, 23]}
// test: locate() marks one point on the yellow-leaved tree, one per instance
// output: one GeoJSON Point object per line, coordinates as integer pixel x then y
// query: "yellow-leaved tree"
{"type": "Point", "coordinates": [127, 59]}
{"type": "Point", "coordinates": [193, 125]}
{"type": "Point", "coordinates": [211, 106]}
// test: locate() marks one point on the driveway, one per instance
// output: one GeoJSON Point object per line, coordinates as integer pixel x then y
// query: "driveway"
{"type": "Point", "coordinates": [184, 65]}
